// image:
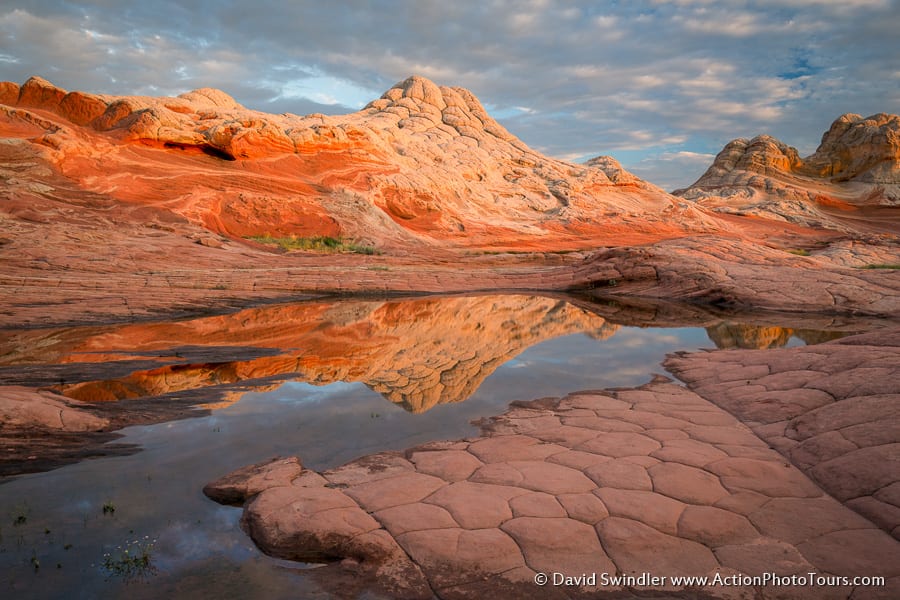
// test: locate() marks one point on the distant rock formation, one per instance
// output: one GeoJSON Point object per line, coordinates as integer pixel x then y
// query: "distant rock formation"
{"type": "Point", "coordinates": [857, 149]}
{"type": "Point", "coordinates": [857, 166]}
{"type": "Point", "coordinates": [422, 164]}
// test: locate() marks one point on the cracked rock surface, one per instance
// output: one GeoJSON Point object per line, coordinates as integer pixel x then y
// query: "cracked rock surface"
{"type": "Point", "coordinates": [654, 479]}
{"type": "Point", "coordinates": [832, 409]}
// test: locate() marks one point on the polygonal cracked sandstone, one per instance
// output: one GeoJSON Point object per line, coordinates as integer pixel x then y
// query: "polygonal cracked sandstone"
{"type": "Point", "coordinates": [456, 556]}
{"type": "Point", "coordinates": [774, 479]}
{"type": "Point", "coordinates": [633, 546]}
{"type": "Point", "coordinates": [620, 474]}
{"type": "Point", "coordinates": [795, 520]}
{"type": "Point", "coordinates": [688, 452]}
{"type": "Point", "coordinates": [472, 537]}
{"type": "Point", "coordinates": [394, 491]}
{"type": "Point", "coordinates": [476, 505]}
{"type": "Point", "coordinates": [308, 524]}
{"type": "Point", "coordinates": [714, 527]}
{"type": "Point", "coordinates": [541, 476]}
{"type": "Point", "coordinates": [512, 447]}
{"type": "Point", "coordinates": [238, 486]}
{"type": "Point", "coordinates": [851, 552]}
{"type": "Point", "coordinates": [859, 472]}
{"type": "Point", "coordinates": [536, 504]}
{"type": "Point", "coordinates": [655, 510]}
{"type": "Point", "coordinates": [449, 465]}
{"type": "Point", "coordinates": [415, 517]}
{"type": "Point", "coordinates": [763, 555]}
{"type": "Point", "coordinates": [619, 445]}
{"type": "Point", "coordinates": [688, 484]}
{"type": "Point", "coordinates": [559, 545]}
{"type": "Point", "coordinates": [586, 508]}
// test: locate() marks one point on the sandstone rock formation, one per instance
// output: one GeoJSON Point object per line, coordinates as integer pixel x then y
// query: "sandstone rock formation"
{"type": "Point", "coordinates": [422, 163]}
{"type": "Point", "coordinates": [21, 407]}
{"type": "Point", "coordinates": [124, 208]}
{"type": "Point", "coordinates": [42, 430]}
{"type": "Point", "coordinates": [735, 273]}
{"type": "Point", "coordinates": [654, 479]}
{"type": "Point", "coordinates": [857, 149]}
{"type": "Point", "coordinates": [833, 410]}
{"type": "Point", "coordinates": [116, 219]}
{"type": "Point", "coordinates": [854, 173]}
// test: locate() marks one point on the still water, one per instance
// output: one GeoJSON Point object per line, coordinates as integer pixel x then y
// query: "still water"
{"type": "Point", "coordinates": [328, 382]}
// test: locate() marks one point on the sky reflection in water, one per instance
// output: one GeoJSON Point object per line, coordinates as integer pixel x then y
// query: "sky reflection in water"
{"type": "Point", "coordinates": [200, 550]}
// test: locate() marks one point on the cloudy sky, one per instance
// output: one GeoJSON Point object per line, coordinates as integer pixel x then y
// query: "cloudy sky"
{"type": "Point", "coordinates": [660, 85]}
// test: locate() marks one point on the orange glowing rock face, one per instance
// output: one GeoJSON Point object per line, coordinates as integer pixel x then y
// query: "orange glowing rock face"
{"type": "Point", "coordinates": [126, 207]}
{"type": "Point", "coordinates": [416, 353]}
{"type": "Point", "coordinates": [421, 165]}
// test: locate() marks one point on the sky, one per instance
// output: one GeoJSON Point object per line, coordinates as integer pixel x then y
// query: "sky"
{"type": "Point", "coordinates": [660, 85]}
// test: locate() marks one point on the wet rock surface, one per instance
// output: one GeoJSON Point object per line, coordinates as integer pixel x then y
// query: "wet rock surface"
{"type": "Point", "coordinates": [653, 479]}
{"type": "Point", "coordinates": [42, 430]}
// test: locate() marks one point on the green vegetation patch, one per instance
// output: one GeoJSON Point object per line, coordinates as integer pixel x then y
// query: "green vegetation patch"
{"type": "Point", "coordinates": [133, 560]}
{"type": "Point", "coordinates": [799, 251]}
{"type": "Point", "coordinates": [881, 266]}
{"type": "Point", "coordinates": [319, 243]}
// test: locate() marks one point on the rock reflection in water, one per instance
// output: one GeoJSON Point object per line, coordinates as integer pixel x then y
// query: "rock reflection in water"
{"type": "Point", "coordinates": [727, 336]}
{"type": "Point", "coordinates": [416, 353]}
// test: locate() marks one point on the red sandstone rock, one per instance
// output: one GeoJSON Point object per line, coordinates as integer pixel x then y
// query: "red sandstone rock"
{"type": "Point", "coordinates": [423, 163]}
{"type": "Point", "coordinates": [81, 108]}
{"type": "Point", "coordinates": [245, 483]}
{"type": "Point", "coordinates": [9, 93]}
{"type": "Point", "coordinates": [147, 177]}
{"type": "Point", "coordinates": [736, 514]}
{"type": "Point", "coordinates": [40, 93]}
{"type": "Point", "coordinates": [24, 407]}
{"type": "Point", "coordinates": [842, 427]}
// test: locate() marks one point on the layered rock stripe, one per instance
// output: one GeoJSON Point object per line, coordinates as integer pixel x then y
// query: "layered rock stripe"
{"type": "Point", "coordinates": [654, 479]}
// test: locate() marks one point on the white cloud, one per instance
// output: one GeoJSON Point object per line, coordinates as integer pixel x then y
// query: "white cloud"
{"type": "Point", "coordinates": [673, 169]}
{"type": "Point", "coordinates": [326, 90]}
{"type": "Point", "coordinates": [687, 157]}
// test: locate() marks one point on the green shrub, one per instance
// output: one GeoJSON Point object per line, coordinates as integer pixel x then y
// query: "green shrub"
{"type": "Point", "coordinates": [319, 243]}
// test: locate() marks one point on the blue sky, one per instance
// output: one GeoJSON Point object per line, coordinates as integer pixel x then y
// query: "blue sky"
{"type": "Point", "coordinates": [660, 85]}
